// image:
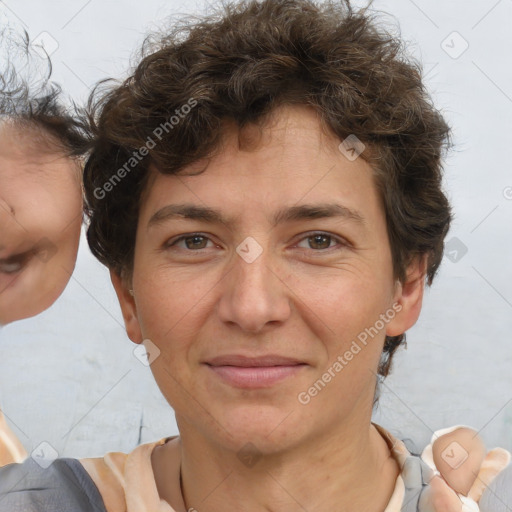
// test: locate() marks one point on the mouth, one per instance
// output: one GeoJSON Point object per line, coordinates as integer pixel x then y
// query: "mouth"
{"type": "Point", "coordinates": [254, 372]}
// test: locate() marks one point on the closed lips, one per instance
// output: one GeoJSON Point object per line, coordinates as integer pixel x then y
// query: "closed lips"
{"type": "Point", "coordinates": [253, 362]}
{"type": "Point", "coordinates": [254, 372]}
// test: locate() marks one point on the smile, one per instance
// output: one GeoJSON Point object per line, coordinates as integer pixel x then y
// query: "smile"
{"type": "Point", "coordinates": [253, 373]}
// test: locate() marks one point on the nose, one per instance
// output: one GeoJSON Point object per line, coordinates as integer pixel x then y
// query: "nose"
{"type": "Point", "coordinates": [254, 296]}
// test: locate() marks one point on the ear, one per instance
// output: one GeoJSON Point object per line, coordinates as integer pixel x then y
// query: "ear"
{"type": "Point", "coordinates": [128, 307]}
{"type": "Point", "coordinates": [409, 295]}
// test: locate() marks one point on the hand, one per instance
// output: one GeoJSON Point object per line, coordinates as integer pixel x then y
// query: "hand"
{"type": "Point", "coordinates": [459, 483]}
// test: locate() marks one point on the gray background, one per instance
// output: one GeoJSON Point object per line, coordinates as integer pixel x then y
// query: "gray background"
{"type": "Point", "coordinates": [69, 377]}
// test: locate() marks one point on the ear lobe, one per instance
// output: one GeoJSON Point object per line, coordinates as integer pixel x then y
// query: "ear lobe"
{"type": "Point", "coordinates": [410, 297]}
{"type": "Point", "coordinates": [128, 307]}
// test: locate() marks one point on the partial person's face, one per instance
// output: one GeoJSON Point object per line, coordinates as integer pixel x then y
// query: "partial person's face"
{"type": "Point", "coordinates": [249, 313]}
{"type": "Point", "coordinates": [40, 220]}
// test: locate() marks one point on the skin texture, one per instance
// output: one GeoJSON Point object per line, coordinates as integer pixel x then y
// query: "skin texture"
{"type": "Point", "coordinates": [301, 298]}
{"type": "Point", "coordinates": [40, 221]}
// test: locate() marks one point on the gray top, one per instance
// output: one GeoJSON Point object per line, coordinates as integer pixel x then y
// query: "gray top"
{"type": "Point", "coordinates": [498, 496]}
{"type": "Point", "coordinates": [64, 486]}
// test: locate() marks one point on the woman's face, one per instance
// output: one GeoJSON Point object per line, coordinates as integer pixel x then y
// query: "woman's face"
{"type": "Point", "coordinates": [40, 220]}
{"type": "Point", "coordinates": [247, 313]}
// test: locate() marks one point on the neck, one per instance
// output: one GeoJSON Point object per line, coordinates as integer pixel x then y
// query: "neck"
{"type": "Point", "coordinates": [340, 472]}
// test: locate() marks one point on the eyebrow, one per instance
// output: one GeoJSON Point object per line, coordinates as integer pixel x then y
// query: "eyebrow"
{"type": "Point", "coordinates": [287, 214]}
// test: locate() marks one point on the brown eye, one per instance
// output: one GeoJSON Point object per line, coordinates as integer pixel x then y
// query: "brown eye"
{"type": "Point", "coordinates": [196, 242]}
{"type": "Point", "coordinates": [319, 241]}
{"type": "Point", "coordinates": [190, 242]}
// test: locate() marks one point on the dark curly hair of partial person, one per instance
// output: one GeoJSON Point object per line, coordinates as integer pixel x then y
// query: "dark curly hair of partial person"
{"type": "Point", "coordinates": [30, 100]}
{"type": "Point", "coordinates": [239, 64]}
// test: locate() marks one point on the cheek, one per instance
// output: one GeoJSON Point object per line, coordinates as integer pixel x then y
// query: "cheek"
{"type": "Point", "coordinates": [174, 304]}
{"type": "Point", "coordinates": [342, 303]}
{"type": "Point", "coordinates": [353, 342]}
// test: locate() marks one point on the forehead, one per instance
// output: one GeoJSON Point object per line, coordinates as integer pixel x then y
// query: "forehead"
{"type": "Point", "coordinates": [30, 157]}
{"type": "Point", "coordinates": [290, 154]}
{"type": "Point", "coordinates": [26, 143]}
{"type": "Point", "coordinates": [287, 135]}
{"type": "Point", "coordinates": [37, 183]}
{"type": "Point", "coordinates": [289, 169]}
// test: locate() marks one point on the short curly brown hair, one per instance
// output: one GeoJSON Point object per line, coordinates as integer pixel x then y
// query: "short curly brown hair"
{"type": "Point", "coordinates": [239, 64]}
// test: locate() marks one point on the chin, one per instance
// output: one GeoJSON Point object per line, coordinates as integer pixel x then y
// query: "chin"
{"type": "Point", "coordinates": [268, 428]}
